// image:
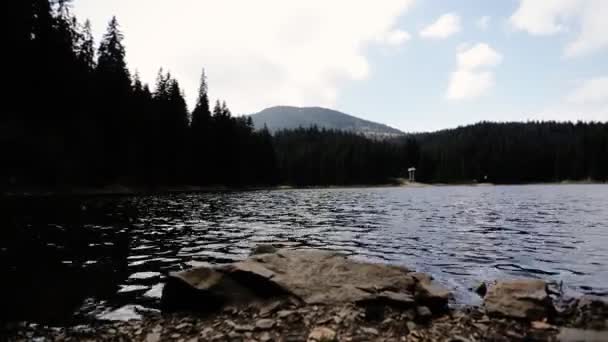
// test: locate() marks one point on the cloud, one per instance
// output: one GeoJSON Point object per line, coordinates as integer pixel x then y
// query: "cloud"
{"type": "Point", "coordinates": [473, 76]}
{"type": "Point", "coordinates": [592, 91]}
{"type": "Point", "coordinates": [256, 53]}
{"type": "Point", "coordinates": [585, 17]}
{"type": "Point", "coordinates": [444, 27]}
{"type": "Point", "coordinates": [593, 34]}
{"type": "Point", "coordinates": [394, 38]}
{"type": "Point", "coordinates": [588, 101]}
{"type": "Point", "coordinates": [483, 23]}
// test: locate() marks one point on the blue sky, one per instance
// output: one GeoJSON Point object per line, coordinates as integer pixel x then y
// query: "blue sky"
{"type": "Point", "coordinates": [417, 65]}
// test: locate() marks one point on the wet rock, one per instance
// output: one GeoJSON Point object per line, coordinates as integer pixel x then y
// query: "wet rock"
{"type": "Point", "coordinates": [264, 324]}
{"type": "Point", "coordinates": [521, 299]}
{"type": "Point", "coordinates": [430, 293]}
{"type": "Point", "coordinates": [263, 249]}
{"type": "Point", "coordinates": [309, 276]}
{"type": "Point", "coordinates": [322, 334]}
{"type": "Point", "coordinates": [481, 290]}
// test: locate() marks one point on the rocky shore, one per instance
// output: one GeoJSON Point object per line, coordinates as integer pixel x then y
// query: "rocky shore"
{"type": "Point", "coordinates": [290, 295]}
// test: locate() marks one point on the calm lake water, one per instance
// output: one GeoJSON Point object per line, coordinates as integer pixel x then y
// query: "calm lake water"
{"type": "Point", "coordinates": [68, 260]}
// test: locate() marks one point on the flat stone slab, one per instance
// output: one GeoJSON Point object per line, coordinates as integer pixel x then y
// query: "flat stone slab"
{"type": "Point", "coordinates": [520, 299]}
{"type": "Point", "coordinates": [307, 276]}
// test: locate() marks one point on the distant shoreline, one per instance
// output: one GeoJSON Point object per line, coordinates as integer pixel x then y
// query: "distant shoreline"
{"type": "Point", "coordinates": [122, 190]}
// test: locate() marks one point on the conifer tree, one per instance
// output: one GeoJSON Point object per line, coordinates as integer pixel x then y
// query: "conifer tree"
{"type": "Point", "coordinates": [113, 83]}
{"type": "Point", "coordinates": [86, 47]}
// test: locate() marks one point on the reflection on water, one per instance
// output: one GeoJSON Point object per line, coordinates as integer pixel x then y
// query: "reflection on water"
{"type": "Point", "coordinates": [70, 259]}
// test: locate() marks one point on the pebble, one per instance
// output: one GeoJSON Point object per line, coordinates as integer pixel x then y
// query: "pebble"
{"type": "Point", "coordinates": [424, 313]}
{"type": "Point", "coordinates": [321, 334]}
{"type": "Point", "coordinates": [153, 337]}
{"type": "Point", "coordinates": [284, 313]}
{"type": "Point", "coordinates": [265, 337]}
{"type": "Point", "coordinates": [243, 328]}
{"type": "Point", "coordinates": [207, 331]}
{"type": "Point", "coordinates": [264, 324]}
{"type": "Point", "coordinates": [369, 331]}
{"type": "Point", "coordinates": [183, 326]}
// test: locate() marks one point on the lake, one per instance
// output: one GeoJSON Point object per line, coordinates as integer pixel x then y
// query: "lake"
{"type": "Point", "coordinates": [69, 260]}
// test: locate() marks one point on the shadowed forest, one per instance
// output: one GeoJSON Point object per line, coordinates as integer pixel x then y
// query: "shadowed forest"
{"type": "Point", "coordinates": [75, 115]}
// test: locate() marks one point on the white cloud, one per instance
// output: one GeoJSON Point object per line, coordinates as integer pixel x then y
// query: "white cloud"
{"type": "Point", "coordinates": [473, 76]}
{"type": "Point", "coordinates": [468, 84]}
{"type": "Point", "coordinates": [444, 27]}
{"type": "Point", "coordinates": [256, 53]}
{"type": "Point", "coordinates": [588, 101]}
{"type": "Point", "coordinates": [479, 55]}
{"type": "Point", "coordinates": [593, 33]}
{"type": "Point", "coordinates": [586, 17]}
{"type": "Point", "coordinates": [394, 38]}
{"type": "Point", "coordinates": [592, 91]}
{"type": "Point", "coordinates": [483, 23]}
{"type": "Point", "coordinates": [543, 17]}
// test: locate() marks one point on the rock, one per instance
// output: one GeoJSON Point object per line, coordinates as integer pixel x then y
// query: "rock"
{"type": "Point", "coordinates": [284, 313]}
{"type": "Point", "coordinates": [263, 249]}
{"type": "Point", "coordinates": [482, 289]}
{"type": "Point", "coordinates": [430, 293]}
{"type": "Point", "coordinates": [521, 299]}
{"type": "Point", "coordinates": [410, 325]}
{"type": "Point", "coordinates": [243, 328]}
{"type": "Point", "coordinates": [540, 325]}
{"type": "Point", "coordinates": [321, 334]}
{"type": "Point", "coordinates": [309, 276]}
{"type": "Point", "coordinates": [153, 337]}
{"type": "Point", "coordinates": [265, 337]}
{"type": "Point", "coordinates": [580, 335]}
{"type": "Point", "coordinates": [423, 313]}
{"type": "Point", "coordinates": [369, 331]}
{"type": "Point", "coordinates": [207, 332]}
{"type": "Point", "coordinates": [270, 308]}
{"type": "Point", "coordinates": [264, 324]}
{"type": "Point", "coordinates": [183, 326]}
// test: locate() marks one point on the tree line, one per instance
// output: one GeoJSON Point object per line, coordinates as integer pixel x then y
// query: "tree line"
{"type": "Point", "coordinates": [313, 156]}
{"type": "Point", "coordinates": [76, 115]}
{"type": "Point", "coordinates": [515, 152]}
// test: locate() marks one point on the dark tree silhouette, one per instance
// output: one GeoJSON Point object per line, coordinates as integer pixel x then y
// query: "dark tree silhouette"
{"type": "Point", "coordinates": [201, 136]}
{"type": "Point", "coordinates": [113, 84]}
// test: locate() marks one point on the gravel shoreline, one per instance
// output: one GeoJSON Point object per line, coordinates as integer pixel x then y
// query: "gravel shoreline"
{"type": "Point", "coordinates": [290, 322]}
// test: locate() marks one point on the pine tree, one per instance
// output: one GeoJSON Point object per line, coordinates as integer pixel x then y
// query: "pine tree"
{"type": "Point", "coordinates": [111, 65]}
{"type": "Point", "coordinates": [86, 47]}
{"type": "Point", "coordinates": [113, 83]}
{"type": "Point", "coordinates": [201, 113]}
{"type": "Point", "coordinates": [200, 134]}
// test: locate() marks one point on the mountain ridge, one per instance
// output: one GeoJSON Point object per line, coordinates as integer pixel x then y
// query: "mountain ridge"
{"type": "Point", "coordinates": [290, 117]}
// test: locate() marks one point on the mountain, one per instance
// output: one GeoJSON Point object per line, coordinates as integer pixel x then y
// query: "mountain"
{"type": "Point", "coordinates": [284, 117]}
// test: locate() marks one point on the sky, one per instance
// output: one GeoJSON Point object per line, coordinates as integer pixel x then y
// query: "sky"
{"type": "Point", "coordinates": [416, 65]}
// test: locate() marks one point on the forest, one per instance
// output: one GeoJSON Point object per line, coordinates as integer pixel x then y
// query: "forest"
{"type": "Point", "coordinates": [75, 115]}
